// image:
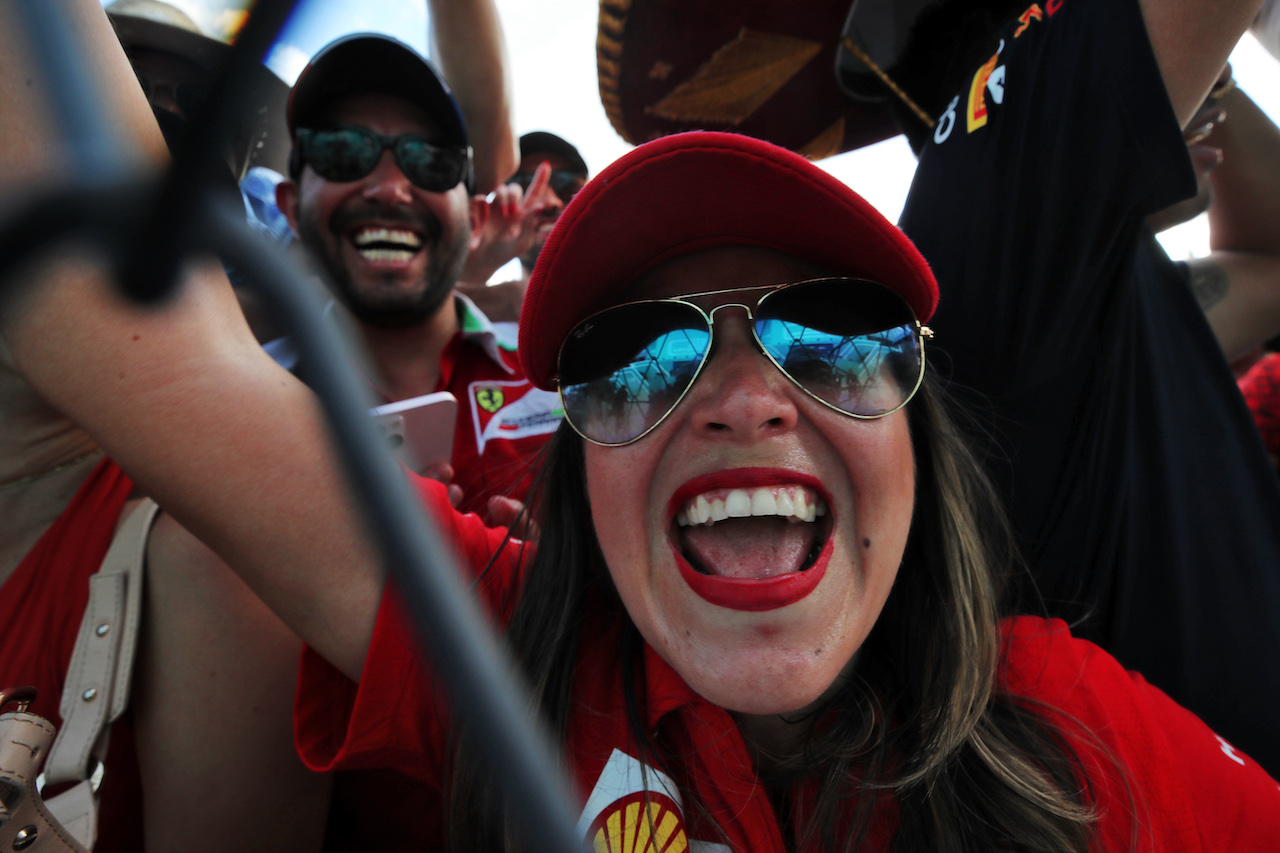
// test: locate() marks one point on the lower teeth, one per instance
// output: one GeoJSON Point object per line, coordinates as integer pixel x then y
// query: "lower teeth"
{"type": "Point", "coordinates": [386, 254]}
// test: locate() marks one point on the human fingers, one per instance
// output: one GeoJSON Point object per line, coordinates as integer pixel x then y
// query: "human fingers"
{"type": "Point", "coordinates": [441, 471]}
{"type": "Point", "coordinates": [512, 514]}
{"type": "Point", "coordinates": [538, 186]}
{"type": "Point", "coordinates": [504, 204]}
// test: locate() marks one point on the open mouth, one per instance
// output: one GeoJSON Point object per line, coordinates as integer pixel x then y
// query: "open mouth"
{"type": "Point", "coordinates": [386, 245]}
{"type": "Point", "coordinates": [755, 547]}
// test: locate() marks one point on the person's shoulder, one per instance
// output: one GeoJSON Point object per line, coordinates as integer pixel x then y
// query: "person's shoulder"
{"type": "Point", "coordinates": [1150, 763]}
{"type": "Point", "coordinates": [1042, 661]}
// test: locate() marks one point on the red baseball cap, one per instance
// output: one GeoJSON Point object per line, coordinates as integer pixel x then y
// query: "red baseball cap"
{"type": "Point", "coordinates": [693, 191]}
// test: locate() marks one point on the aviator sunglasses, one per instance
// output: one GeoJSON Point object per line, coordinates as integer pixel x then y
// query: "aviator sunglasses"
{"type": "Point", "coordinates": [852, 345]}
{"type": "Point", "coordinates": [349, 153]}
{"type": "Point", "coordinates": [563, 182]}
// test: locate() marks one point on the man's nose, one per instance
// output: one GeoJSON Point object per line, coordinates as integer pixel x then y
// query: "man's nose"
{"type": "Point", "coordinates": [386, 184]}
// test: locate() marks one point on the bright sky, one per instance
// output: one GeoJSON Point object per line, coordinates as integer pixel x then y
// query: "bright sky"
{"type": "Point", "coordinates": [551, 44]}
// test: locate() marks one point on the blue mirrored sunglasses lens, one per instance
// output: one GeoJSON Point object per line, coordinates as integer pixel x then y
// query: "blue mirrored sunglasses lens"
{"type": "Point", "coordinates": [623, 370]}
{"type": "Point", "coordinates": [851, 344]}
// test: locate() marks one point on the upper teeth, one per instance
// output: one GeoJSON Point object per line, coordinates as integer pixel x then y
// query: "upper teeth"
{"type": "Point", "coordinates": [386, 235]}
{"type": "Point", "coordinates": [789, 502]}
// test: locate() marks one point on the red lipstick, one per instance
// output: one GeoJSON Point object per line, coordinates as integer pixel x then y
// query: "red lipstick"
{"type": "Point", "coordinates": [750, 594]}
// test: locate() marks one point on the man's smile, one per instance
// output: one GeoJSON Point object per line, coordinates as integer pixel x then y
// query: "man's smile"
{"type": "Point", "coordinates": [376, 244]}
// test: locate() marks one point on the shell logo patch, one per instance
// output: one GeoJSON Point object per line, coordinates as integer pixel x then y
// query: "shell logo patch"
{"type": "Point", "coordinates": [634, 808]}
{"type": "Point", "coordinates": [632, 826]}
{"type": "Point", "coordinates": [489, 398]}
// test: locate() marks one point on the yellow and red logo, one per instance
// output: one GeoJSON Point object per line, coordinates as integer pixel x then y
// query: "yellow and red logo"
{"type": "Point", "coordinates": [641, 822]}
{"type": "Point", "coordinates": [977, 115]}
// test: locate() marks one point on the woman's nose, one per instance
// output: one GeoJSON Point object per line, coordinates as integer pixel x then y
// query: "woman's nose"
{"type": "Point", "coordinates": [740, 394]}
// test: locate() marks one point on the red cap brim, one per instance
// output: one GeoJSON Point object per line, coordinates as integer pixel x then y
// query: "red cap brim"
{"type": "Point", "coordinates": [694, 191]}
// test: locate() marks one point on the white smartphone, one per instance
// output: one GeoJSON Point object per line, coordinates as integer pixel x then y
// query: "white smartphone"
{"type": "Point", "coordinates": [419, 431]}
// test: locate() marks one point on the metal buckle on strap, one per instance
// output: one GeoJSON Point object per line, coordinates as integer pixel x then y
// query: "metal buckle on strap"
{"type": "Point", "coordinates": [24, 696]}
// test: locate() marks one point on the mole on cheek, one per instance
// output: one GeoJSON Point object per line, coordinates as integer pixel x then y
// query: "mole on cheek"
{"type": "Point", "coordinates": [817, 653]}
{"type": "Point", "coordinates": [866, 543]}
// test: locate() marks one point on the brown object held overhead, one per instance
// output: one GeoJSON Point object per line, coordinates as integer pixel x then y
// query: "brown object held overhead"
{"type": "Point", "coordinates": [763, 68]}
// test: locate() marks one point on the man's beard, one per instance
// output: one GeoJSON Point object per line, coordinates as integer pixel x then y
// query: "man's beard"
{"type": "Point", "coordinates": [396, 307]}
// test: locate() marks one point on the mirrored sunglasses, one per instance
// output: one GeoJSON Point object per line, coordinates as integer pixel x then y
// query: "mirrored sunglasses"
{"type": "Point", "coordinates": [563, 182]}
{"type": "Point", "coordinates": [349, 153]}
{"type": "Point", "coordinates": [853, 345]}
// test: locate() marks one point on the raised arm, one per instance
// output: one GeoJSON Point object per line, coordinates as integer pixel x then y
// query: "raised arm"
{"type": "Point", "coordinates": [1238, 284]}
{"type": "Point", "coordinates": [472, 54]}
{"type": "Point", "coordinates": [1192, 40]}
{"type": "Point", "coordinates": [184, 399]}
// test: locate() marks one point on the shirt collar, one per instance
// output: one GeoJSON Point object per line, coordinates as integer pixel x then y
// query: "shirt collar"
{"type": "Point", "coordinates": [493, 338]}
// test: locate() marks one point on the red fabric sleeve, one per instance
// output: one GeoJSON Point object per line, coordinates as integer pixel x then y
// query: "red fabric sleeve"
{"type": "Point", "coordinates": [1261, 390]}
{"type": "Point", "coordinates": [1144, 754]}
{"type": "Point", "coordinates": [395, 717]}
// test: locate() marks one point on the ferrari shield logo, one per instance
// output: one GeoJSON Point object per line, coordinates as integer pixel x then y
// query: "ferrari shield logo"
{"type": "Point", "coordinates": [490, 398]}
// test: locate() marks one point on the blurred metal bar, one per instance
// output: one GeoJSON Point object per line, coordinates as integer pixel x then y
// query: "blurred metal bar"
{"type": "Point", "coordinates": [483, 685]}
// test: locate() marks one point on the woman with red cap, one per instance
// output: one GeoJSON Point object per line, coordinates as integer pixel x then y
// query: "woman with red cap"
{"type": "Point", "coordinates": [763, 611]}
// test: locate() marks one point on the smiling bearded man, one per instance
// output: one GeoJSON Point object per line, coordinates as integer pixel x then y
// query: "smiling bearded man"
{"type": "Point", "coordinates": [381, 194]}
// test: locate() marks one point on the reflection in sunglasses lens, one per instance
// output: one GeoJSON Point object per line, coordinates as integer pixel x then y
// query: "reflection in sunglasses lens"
{"type": "Point", "coordinates": [623, 370]}
{"type": "Point", "coordinates": [851, 344]}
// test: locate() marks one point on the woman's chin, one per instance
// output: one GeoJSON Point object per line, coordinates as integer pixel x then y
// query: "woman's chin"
{"type": "Point", "coordinates": [766, 690]}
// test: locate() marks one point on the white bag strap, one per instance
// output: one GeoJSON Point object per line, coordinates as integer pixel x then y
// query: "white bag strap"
{"type": "Point", "coordinates": [97, 685]}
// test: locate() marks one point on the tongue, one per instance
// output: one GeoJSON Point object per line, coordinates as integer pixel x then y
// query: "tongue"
{"type": "Point", "coordinates": [753, 548]}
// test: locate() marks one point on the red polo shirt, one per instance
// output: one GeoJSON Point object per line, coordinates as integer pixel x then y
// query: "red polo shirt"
{"type": "Point", "coordinates": [503, 420]}
{"type": "Point", "coordinates": [1193, 791]}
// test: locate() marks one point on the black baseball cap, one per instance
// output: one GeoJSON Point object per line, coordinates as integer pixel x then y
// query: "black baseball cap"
{"type": "Point", "coordinates": [542, 142]}
{"type": "Point", "coordinates": [371, 62]}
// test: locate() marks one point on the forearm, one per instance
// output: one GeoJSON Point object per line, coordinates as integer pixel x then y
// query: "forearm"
{"type": "Point", "coordinates": [1245, 214]}
{"type": "Point", "coordinates": [1192, 40]}
{"type": "Point", "coordinates": [226, 441]}
{"type": "Point", "coordinates": [471, 51]}
{"type": "Point", "coordinates": [1240, 295]}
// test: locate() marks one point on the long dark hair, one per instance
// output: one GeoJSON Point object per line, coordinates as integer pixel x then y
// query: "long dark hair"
{"type": "Point", "coordinates": [922, 722]}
